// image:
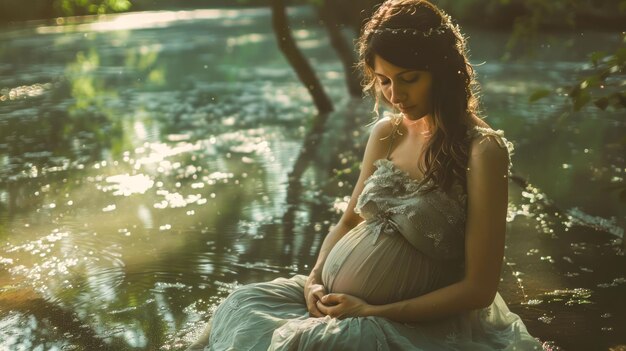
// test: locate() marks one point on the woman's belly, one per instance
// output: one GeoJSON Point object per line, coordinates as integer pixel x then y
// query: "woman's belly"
{"type": "Point", "coordinates": [389, 270]}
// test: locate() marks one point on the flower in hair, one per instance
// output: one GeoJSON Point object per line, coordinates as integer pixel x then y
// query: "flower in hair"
{"type": "Point", "coordinates": [410, 31]}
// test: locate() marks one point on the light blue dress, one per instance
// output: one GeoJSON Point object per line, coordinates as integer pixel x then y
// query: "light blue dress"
{"type": "Point", "coordinates": [411, 243]}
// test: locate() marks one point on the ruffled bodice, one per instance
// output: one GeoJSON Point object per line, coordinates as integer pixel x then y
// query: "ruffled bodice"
{"type": "Point", "coordinates": [431, 221]}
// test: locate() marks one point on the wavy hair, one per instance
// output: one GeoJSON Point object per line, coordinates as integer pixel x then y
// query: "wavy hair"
{"type": "Point", "coordinates": [415, 34]}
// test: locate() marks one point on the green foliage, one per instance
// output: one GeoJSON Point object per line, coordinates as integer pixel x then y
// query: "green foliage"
{"type": "Point", "coordinates": [79, 7]}
{"type": "Point", "coordinates": [602, 85]}
{"type": "Point", "coordinates": [539, 94]}
{"type": "Point", "coordinates": [538, 13]}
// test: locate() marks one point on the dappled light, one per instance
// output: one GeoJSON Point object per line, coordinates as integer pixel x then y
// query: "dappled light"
{"type": "Point", "coordinates": [146, 165]}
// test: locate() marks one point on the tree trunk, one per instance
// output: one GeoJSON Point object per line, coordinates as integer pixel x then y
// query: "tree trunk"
{"type": "Point", "coordinates": [303, 69]}
{"type": "Point", "coordinates": [342, 47]}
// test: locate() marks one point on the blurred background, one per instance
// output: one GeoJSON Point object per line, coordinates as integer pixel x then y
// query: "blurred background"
{"type": "Point", "coordinates": [156, 154]}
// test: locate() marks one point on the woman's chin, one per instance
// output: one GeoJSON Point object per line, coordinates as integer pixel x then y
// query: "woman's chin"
{"type": "Point", "coordinates": [412, 116]}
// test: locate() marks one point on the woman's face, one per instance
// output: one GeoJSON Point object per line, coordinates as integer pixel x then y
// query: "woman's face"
{"type": "Point", "coordinates": [407, 90]}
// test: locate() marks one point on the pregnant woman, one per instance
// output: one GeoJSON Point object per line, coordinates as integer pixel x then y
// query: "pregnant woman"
{"type": "Point", "coordinates": [414, 262]}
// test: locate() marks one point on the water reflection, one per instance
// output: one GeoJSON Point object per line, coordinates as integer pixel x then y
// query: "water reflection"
{"type": "Point", "coordinates": [149, 20]}
{"type": "Point", "coordinates": [144, 177]}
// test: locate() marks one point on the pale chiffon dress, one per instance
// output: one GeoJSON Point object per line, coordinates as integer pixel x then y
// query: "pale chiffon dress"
{"type": "Point", "coordinates": [411, 243]}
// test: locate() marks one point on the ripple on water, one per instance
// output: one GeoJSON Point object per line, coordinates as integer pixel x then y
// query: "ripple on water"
{"type": "Point", "coordinates": [533, 302]}
{"type": "Point", "coordinates": [570, 297]}
{"type": "Point", "coordinates": [22, 332]}
{"type": "Point", "coordinates": [65, 265]}
{"type": "Point", "coordinates": [550, 346]}
{"type": "Point", "coordinates": [614, 283]}
{"type": "Point", "coordinates": [546, 319]}
{"type": "Point", "coordinates": [578, 217]}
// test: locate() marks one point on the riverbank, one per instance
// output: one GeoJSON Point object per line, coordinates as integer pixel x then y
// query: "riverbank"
{"type": "Point", "coordinates": [485, 14]}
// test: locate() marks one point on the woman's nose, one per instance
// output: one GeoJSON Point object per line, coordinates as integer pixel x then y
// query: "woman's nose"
{"type": "Point", "coordinates": [397, 95]}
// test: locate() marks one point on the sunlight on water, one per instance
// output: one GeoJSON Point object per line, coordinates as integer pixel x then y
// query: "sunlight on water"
{"type": "Point", "coordinates": [570, 297]}
{"type": "Point", "coordinates": [614, 283]}
{"type": "Point", "coordinates": [126, 185]}
{"type": "Point", "coordinates": [157, 152]}
{"type": "Point", "coordinates": [24, 91]}
{"type": "Point", "coordinates": [578, 217]}
{"type": "Point", "coordinates": [51, 264]}
{"type": "Point", "coordinates": [140, 20]}
{"type": "Point", "coordinates": [144, 177]}
{"type": "Point", "coordinates": [539, 206]}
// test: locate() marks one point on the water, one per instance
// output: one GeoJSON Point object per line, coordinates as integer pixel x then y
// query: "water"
{"type": "Point", "coordinates": [145, 165]}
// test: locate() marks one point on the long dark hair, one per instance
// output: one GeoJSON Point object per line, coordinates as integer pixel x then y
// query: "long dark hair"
{"type": "Point", "coordinates": [415, 34]}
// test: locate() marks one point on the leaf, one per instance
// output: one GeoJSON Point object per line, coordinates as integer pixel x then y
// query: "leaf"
{"type": "Point", "coordinates": [575, 91]}
{"type": "Point", "coordinates": [539, 94]}
{"type": "Point", "coordinates": [620, 98]}
{"type": "Point", "coordinates": [593, 81]}
{"type": "Point", "coordinates": [596, 56]}
{"type": "Point", "coordinates": [620, 55]}
{"type": "Point", "coordinates": [119, 5]}
{"type": "Point", "coordinates": [602, 103]}
{"type": "Point", "coordinates": [581, 100]}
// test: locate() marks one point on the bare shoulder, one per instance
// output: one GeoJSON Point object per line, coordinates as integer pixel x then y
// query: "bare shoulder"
{"type": "Point", "coordinates": [488, 142]}
{"type": "Point", "coordinates": [379, 140]}
{"type": "Point", "coordinates": [490, 150]}
{"type": "Point", "coordinates": [383, 128]}
{"type": "Point", "coordinates": [488, 146]}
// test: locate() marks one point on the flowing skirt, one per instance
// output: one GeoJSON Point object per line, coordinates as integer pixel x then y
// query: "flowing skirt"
{"type": "Point", "coordinates": [273, 316]}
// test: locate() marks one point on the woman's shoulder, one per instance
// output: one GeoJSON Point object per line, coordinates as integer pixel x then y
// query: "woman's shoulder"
{"type": "Point", "coordinates": [383, 128]}
{"type": "Point", "coordinates": [486, 142]}
{"type": "Point", "coordinates": [388, 122]}
{"type": "Point", "coordinates": [483, 136]}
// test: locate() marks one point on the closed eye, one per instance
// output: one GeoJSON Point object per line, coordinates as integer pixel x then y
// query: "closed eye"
{"type": "Point", "coordinates": [385, 81]}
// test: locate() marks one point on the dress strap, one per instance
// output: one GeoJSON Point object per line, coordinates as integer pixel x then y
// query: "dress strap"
{"type": "Point", "coordinates": [396, 124]}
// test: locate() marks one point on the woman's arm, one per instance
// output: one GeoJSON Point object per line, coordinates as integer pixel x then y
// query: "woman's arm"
{"type": "Point", "coordinates": [375, 149]}
{"type": "Point", "coordinates": [487, 192]}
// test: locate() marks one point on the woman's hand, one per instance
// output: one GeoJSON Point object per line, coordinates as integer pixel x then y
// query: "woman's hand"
{"type": "Point", "coordinates": [313, 293]}
{"type": "Point", "coordinates": [342, 306]}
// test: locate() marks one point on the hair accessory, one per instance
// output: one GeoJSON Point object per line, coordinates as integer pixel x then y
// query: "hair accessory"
{"type": "Point", "coordinates": [410, 31]}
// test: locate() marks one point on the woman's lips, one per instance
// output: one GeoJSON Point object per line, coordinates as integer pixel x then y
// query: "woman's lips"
{"type": "Point", "coordinates": [406, 109]}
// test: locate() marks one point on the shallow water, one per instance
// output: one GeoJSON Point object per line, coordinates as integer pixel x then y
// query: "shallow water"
{"type": "Point", "coordinates": [144, 173]}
